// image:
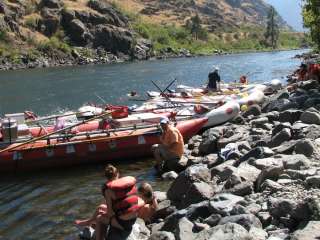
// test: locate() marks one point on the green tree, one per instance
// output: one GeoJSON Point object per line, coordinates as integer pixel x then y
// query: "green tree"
{"type": "Point", "coordinates": [194, 25]}
{"type": "Point", "coordinates": [311, 19]}
{"type": "Point", "coordinates": [272, 32]}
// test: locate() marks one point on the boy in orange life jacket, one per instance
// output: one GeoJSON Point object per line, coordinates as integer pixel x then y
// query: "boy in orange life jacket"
{"type": "Point", "coordinates": [149, 205]}
{"type": "Point", "coordinates": [111, 173]}
{"type": "Point", "coordinates": [123, 204]}
{"type": "Point", "coordinates": [171, 147]}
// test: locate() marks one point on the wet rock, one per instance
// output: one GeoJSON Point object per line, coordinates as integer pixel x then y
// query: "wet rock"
{"type": "Point", "coordinates": [296, 162]}
{"type": "Point", "coordinates": [224, 203]}
{"type": "Point", "coordinates": [310, 117]}
{"type": "Point", "coordinates": [283, 136]}
{"type": "Point", "coordinates": [253, 110]}
{"type": "Point", "coordinates": [229, 231]}
{"type": "Point", "coordinates": [162, 235]}
{"type": "Point", "coordinates": [304, 147]}
{"type": "Point", "coordinates": [310, 232]}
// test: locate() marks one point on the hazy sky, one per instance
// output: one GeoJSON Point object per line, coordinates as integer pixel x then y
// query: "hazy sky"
{"type": "Point", "coordinates": [290, 10]}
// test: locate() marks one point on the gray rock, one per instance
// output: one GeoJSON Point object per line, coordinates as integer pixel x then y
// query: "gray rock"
{"type": "Point", "coordinates": [259, 123]}
{"type": "Point", "coordinates": [213, 220]}
{"type": "Point", "coordinates": [222, 172]}
{"type": "Point", "coordinates": [139, 231]}
{"type": "Point", "coordinates": [271, 172]}
{"type": "Point", "coordinates": [209, 142]}
{"type": "Point", "coordinates": [258, 233]}
{"type": "Point", "coordinates": [161, 196]}
{"type": "Point", "coordinates": [245, 220]}
{"type": "Point", "coordinates": [283, 136]}
{"type": "Point", "coordinates": [270, 186]}
{"type": "Point", "coordinates": [290, 116]}
{"type": "Point", "coordinates": [310, 117]}
{"type": "Point", "coordinates": [181, 187]}
{"type": "Point", "coordinates": [184, 230]}
{"type": "Point", "coordinates": [229, 231]}
{"type": "Point", "coordinates": [162, 235]}
{"type": "Point", "coordinates": [240, 189]}
{"type": "Point", "coordinates": [304, 147]}
{"type": "Point", "coordinates": [224, 203]}
{"type": "Point", "coordinates": [280, 126]}
{"type": "Point", "coordinates": [257, 153]}
{"type": "Point", "coordinates": [296, 162]}
{"type": "Point", "coordinates": [309, 84]}
{"type": "Point", "coordinates": [267, 162]}
{"type": "Point", "coordinates": [310, 232]}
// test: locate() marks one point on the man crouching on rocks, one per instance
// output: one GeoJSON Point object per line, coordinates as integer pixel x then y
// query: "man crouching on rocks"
{"type": "Point", "coordinates": [170, 151]}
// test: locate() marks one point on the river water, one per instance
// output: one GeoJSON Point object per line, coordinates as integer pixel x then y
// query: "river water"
{"type": "Point", "coordinates": [44, 205]}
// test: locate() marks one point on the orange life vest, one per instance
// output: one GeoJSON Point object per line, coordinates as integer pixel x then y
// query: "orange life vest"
{"type": "Point", "coordinates": [126, 198]}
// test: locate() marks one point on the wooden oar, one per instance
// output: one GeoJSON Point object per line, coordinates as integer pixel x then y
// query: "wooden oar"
{"type": "Point", "coordinates": [55, 132]}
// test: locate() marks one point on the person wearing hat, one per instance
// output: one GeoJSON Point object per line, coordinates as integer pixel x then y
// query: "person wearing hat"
{"type": "Point", "coordinates": [214, 80]}
{"type": "Point", "coordinates": [169, 152]}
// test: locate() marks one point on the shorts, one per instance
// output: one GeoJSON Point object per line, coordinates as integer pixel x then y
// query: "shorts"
{"type": "Point", "coordinates": [163, 152]}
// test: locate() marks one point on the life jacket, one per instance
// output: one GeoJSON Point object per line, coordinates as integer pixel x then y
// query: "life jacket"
{"type": "Point", "coordinates": [126, 198]}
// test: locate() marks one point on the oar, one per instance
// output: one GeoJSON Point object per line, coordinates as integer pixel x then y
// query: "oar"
{"type": "Point", "coordinates": [169, 85]}
{"type": "Point", "coordinates": [100, 98]}
{"type": "Point", "coordinates": [54, 116]}
{"type": "Point", "coordinates": [58, 131]}
{"type": "Point", "coordinates": [165, 95]}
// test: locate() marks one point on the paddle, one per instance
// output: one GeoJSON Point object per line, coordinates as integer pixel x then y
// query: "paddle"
{"type": "Point", "coordinates": [165, 95]}
{"type": "Point", "coordinates": [167, 88]}
{"type": "Point", "coordinates": [55, 132]}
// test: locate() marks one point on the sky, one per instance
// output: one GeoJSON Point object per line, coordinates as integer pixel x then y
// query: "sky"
{"type": "Point", "coordinates": [290, 10]}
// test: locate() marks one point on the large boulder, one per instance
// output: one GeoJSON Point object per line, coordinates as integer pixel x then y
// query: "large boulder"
{"type": "Point", "coordinates": [78, 32]}
{"type": "Point", "coordinates": [113, 16]}
{"type": "Point", "coordinates": [191, 186]}
{"type": "Point", "coordinates": [113, 39]}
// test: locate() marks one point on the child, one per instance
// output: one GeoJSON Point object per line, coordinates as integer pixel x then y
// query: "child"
{"type": "Point", "coordinates": [111, 173]}
{"type": "Point", "coordinates": [149, 205]}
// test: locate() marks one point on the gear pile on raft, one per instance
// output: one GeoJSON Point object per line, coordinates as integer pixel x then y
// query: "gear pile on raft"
{"type": "Point", "coordinates": [110, 132]}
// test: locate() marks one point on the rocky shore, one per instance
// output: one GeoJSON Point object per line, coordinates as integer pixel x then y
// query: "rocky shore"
{"type": "Point", "coordinates": [265, 188]}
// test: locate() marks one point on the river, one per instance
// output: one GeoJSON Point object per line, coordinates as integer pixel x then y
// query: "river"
{"type": "Point", "coordinates": [43, 205]}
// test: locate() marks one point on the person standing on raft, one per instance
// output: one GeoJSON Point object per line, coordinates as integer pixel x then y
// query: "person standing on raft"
{"type": "Point", "coordinates": [170, 151]}
{"type": "Point", "coordinates": [214, 80]}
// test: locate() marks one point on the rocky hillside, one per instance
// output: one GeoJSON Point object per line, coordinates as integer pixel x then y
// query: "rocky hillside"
{"type": "Point", "coordinates": [215, 15]}
{"type": "Point", "coordinates": [60, 32]}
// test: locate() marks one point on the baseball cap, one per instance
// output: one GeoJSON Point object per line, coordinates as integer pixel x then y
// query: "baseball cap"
{"type": "Point", "coordinates": [164, 120]}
